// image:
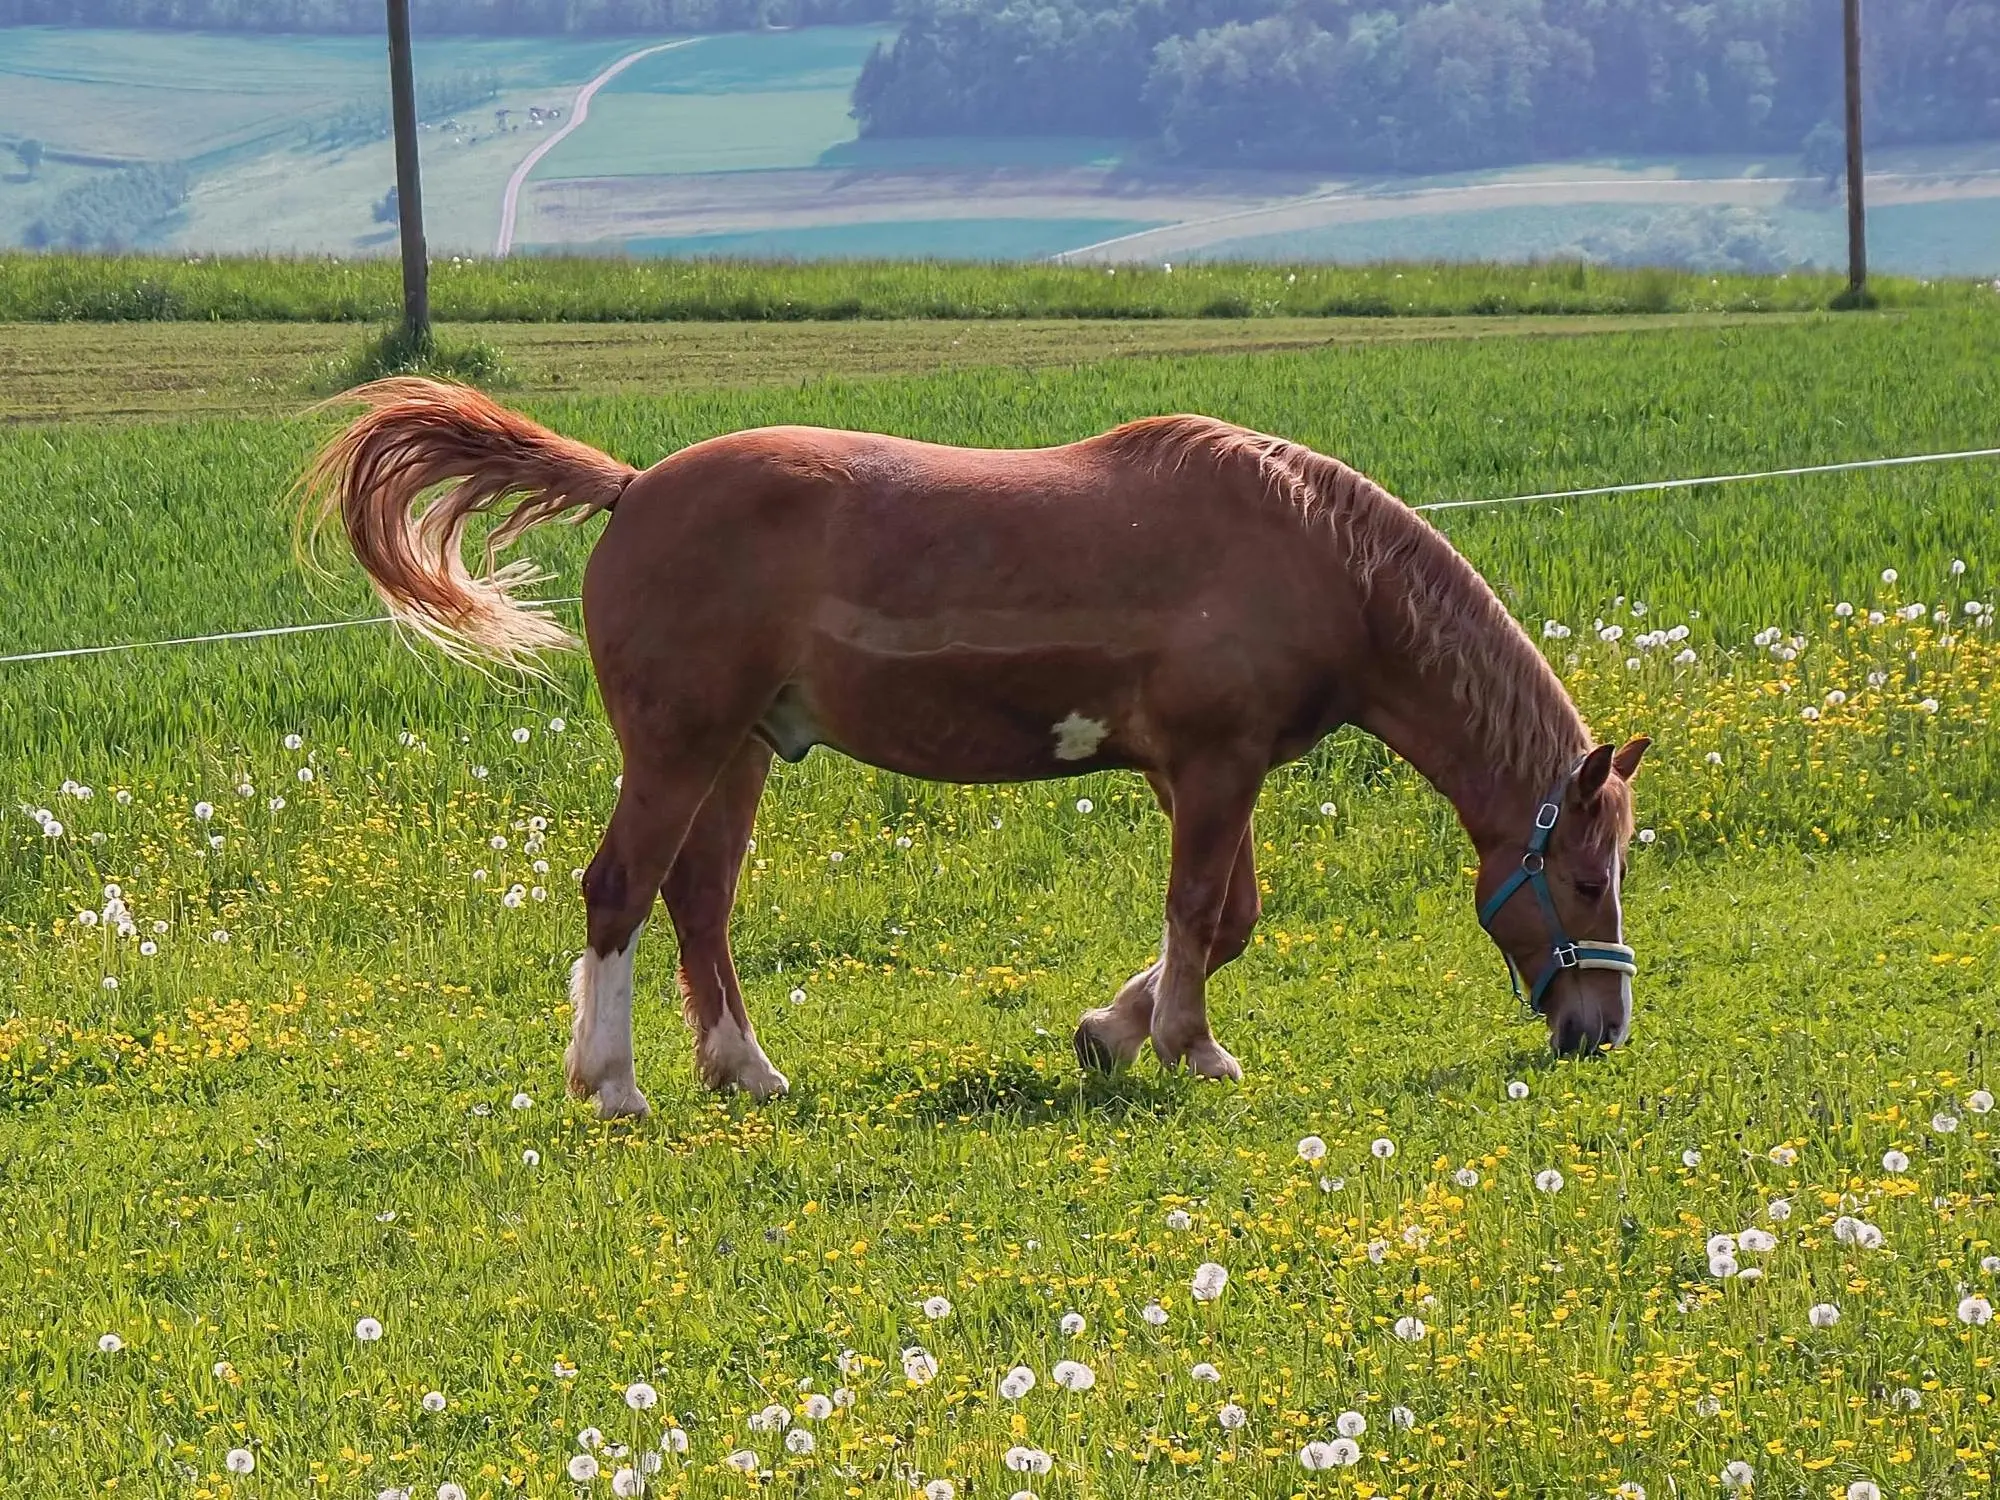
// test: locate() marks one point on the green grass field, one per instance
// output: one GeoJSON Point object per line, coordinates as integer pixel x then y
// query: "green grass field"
{"type": "Point", "coordinates": [299, 1110]}
{"type": "Point", "coordinates": [583, 288]}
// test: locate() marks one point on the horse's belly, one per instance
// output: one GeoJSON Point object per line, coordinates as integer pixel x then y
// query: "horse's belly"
{"type": "Point", "coordinates": [970, 698]}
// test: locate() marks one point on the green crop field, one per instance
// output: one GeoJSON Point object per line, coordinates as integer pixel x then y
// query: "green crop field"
{"type": "Point", "coordinates": [725, 103]}
{"type": "Point", "coordinates": [315, 1091]}
{"type": "Point", "coordinates": [240, 109]}
{"type": "Point", "coordinates": [1935, 239]}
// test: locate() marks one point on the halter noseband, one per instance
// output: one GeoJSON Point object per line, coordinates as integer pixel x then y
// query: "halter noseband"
{"type": "Point", "coordinates": [1564, 951]}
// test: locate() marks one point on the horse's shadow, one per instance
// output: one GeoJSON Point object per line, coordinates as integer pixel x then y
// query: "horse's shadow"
{"type": "Point", "coordinates": [1014, 1091]}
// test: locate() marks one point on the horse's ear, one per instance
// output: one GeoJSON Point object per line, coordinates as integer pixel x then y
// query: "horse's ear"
{"type": "Point", "coordinates": [1626, 761]}
{"type": "Point", "coordinates": [1593, 773]}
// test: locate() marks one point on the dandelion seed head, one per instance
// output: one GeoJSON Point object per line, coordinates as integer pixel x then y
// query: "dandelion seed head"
{"type": "Point", "coordinates": [1073, 1375]}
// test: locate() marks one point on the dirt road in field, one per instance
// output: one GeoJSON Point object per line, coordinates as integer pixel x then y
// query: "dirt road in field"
{"type": "Point", "coordinates": [579, 111]}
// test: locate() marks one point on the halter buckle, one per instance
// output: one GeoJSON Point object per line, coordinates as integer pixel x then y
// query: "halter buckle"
{"type": "Point", "coordinates": [1565, 955]}
{"type": "Point", "coordinates": [1546, 815]}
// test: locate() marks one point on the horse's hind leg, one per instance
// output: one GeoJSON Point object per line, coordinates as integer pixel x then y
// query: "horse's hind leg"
{"type": "Point", "coordinates": [655, 808]}
{"type": "Point", "coordinates": [1212, 804]}
{"type": "Point", "coordinates": [700, 889]}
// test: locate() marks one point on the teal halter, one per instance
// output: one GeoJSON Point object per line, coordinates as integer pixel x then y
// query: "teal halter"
{"type": "Point", "coordinates": [1565, 952]}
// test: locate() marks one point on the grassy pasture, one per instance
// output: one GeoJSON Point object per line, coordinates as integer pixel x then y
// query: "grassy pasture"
{"type": "Point", "coordinates": [296, 1113]}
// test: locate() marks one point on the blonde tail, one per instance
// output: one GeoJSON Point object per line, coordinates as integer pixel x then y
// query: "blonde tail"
{"type": "Point", "coordinates": [416, 435]}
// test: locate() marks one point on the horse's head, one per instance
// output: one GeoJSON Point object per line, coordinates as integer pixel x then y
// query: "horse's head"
{"type": "Point", "coordinates": [1550, 901]}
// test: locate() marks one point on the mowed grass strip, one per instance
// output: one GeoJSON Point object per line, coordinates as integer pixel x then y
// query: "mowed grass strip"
{"type": "Point", "coordinates": [297, 1111]}
{"type": "Point", "coordinates": [85, 371]}
{"type": "Point", "coordinates": [65, 287]}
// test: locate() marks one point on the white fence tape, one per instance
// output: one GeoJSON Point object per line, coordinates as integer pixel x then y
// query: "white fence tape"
{"type": "Point", "coordinates": [1647, 487]}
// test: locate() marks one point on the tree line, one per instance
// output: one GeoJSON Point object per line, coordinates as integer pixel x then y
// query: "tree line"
{"type": "Point", "coordinates": [1408, 85]}
{"type": "Point", "coordinates": [445, 17]}
{"type": "Point", "coordinates": [111, 211]}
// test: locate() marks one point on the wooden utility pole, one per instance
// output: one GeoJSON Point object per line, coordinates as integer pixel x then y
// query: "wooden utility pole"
{"type": "Point", "coordinates": [409, 191]}
{"type": "Point", "coordinates": [1857, 218]}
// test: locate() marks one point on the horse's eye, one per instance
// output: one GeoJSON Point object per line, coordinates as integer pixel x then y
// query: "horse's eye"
{"type": "Point", "coordinates": [1590, 890]}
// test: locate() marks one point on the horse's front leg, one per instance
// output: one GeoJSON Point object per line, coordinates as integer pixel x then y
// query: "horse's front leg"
{"type": "Point", "coordinates": [1111, 1036]}
{"type": "Point", "coordinates": [1208, 918]}
{"type": "Point", "coordinates": [700, 890]}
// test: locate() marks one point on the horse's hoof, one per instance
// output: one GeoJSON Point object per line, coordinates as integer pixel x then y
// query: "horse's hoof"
{"type": "Point", "coordinates": [1207, 1059]}
{"type": "Point", "coordinates": [765, 1084]}
{"type": "Point", "coordinates": [622, 1102]}
{"type": "Point", "coordinates": [1093, 1053]}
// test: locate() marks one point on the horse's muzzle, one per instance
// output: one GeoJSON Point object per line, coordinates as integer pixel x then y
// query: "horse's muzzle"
{"type": "Point", "coordinates": [1597, 1012]}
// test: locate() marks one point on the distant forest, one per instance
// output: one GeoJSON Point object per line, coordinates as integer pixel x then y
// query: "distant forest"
{"type": "Point", "coordinates": [446, 17]}
{"type": "Point", "coordinates": [1396, 85]}
{"type": "Point", "coordinates": [1416, 85]}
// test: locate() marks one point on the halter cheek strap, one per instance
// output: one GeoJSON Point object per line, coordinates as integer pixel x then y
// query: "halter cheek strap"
{"type": "Point", "coordinates": [1564, 952]}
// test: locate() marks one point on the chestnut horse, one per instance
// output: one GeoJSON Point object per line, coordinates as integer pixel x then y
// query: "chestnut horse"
{"type": "Point", "coordinates": [1180, 597]}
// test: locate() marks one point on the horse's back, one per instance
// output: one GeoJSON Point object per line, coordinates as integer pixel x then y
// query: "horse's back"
{"type": "Point", "coordinates": [947, 611]}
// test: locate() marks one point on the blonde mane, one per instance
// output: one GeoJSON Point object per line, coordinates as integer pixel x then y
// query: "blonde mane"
{"type": "Point", "coordinates": [1448, 614]}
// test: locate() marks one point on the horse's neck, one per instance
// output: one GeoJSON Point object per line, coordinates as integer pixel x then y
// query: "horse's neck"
{"type": "Point", "coordinates": [1420, 714]}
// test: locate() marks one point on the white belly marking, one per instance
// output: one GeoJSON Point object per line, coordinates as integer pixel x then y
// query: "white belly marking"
{"type": "Point", "coordinates": [1077, 738]}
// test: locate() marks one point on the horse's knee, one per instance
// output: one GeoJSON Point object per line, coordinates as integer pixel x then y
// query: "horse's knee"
{"type": "Point", "coordinates": [611, 911]}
